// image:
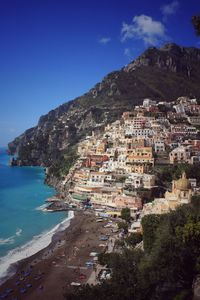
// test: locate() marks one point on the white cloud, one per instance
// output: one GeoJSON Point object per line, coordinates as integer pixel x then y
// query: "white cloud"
{"type": "Point", "coordinates": [145, 28]}
{"type": "Point", "coordinates": [104, 40]}
{"type": "Point", "coordinates": [169, 9]}
{"type": "Point", "coordinates": [127, 52]}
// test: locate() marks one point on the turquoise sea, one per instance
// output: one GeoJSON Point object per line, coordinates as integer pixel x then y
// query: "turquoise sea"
{"type": "Point", "coordinates": [23, 224]}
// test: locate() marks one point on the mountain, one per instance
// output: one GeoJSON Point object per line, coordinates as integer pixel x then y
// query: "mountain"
{"type": "Point", "coordinates": [159, 73]}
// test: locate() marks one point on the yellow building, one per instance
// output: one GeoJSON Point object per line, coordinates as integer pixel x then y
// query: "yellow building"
{"type": "Point", "coordinates": [142, 155]}
{"type": "Point", "coordinates": [101, 148]}
{"type": "Point", "coordinates": [181, 194]}
{"type": "Point", "coordinates": [139, 168]}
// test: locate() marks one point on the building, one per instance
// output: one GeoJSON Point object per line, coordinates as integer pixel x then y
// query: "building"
{"type": "Point", "coordinates": [148, 102]}
{"type": "Point", "coordinates": [159, 146]}
{"type": "Point", "coordinates": [180, 154]}
{"type": "Point", "coordinates": [194, 120]}
{"type": "Point", "coordinates": [99, 178]}
{"type": "Point", "coordinates": [139, 168]}
{"type": "Point", "coordinates": [95, 160]}
{"type": "Point", "coordinates": [136, 180]}
{"type": "Point", "coordinates": [139, 132]}
{"type": "Point", "coordinates": [105, 196]}
{"type": "Point", "coordinates": [122, 201]}
{"type": "Point", "coordinates": [181, 194]}
{"type": "Point", "coordinates": [141, 155]}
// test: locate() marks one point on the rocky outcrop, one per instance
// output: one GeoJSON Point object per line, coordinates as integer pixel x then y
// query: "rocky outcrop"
{"type": "Point", "coordinates": [162, 74]}
{"type": "Point", "coordinates": [170, 58]}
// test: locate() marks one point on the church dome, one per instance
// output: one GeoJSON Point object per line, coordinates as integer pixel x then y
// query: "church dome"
{"type": "Point", "coordinates": [183, 183]}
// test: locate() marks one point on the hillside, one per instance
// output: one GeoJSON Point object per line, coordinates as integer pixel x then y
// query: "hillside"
{"type": "Point", "coordinates": [162, 74]}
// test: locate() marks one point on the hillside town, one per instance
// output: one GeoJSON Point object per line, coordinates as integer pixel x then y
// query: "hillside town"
{"type": "Point", "coordinates": [117, 167]}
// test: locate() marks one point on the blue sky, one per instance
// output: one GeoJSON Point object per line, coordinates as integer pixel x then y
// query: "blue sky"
{"type": "Point", "coordinates": [55, 50]}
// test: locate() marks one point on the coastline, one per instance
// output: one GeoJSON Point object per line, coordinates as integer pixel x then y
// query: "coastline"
{"type": "Point", "coordinates": [50, 272]}
{"type": "Point", "coordinates": [9, 262]}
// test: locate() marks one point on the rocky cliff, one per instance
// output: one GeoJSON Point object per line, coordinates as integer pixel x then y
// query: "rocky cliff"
{"type": "Point", "coordinates": [163, 74]}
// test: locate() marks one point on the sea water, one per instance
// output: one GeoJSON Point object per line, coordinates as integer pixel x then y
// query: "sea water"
{"type": "Point", "coordinates": [24, 227]}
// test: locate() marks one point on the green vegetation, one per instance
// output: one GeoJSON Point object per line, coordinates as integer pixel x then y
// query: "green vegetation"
{"type": "Point", "coordinates": [124, 226]}
{"type": "Point", "coordinates": [133, 239]}
{"type": "Point", "coordinates": [126, 214]}
{"type": "Point", "coordinates": [61, 166]}
{"type": "Point", "coordinates": [166, 174]}
{"type": "Point", "coordinates": [165, 270]}
{"type": "Point", "coordinates": [150, 224]}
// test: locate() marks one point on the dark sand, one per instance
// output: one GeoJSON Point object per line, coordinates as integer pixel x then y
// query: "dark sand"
{"type": "Point", "coordinates": [53, 269]}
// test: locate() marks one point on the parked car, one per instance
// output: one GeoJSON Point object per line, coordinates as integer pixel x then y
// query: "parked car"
{"type": "Point", "coordinates": [103, 238]}
{"type": "Point", "coordinates": [89, 264]}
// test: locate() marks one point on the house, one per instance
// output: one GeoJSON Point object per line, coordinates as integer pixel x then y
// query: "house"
{"type": "Point", "coordinates": [81, 175]}
{"type": "Point", "coordinates": [180, 154]}
{"type": "Point", "coordinates": [141, 155]}
{"type": "Point", "coordinates": [158, 206]}
{"type": "Point", "coordinates": [122, 201]}
{"type": "Point", "coordinates": [96, 179]}
{"type": "Point", "coordinates": [159, 146]}
{"type": "Point", "coordinates": [148, 102]}
{"type": "Point", "coordinates": [194, 120]}
{"type": "Point", "coordinates": [183, 130]}
{"type": "Point", "coordinates": [95, 160]}
{"type": "Point", "coordinates": [136, 180]}
{"type": "Point", "coordinates": [101, 147]}
{"type": "Point", "coordinates": [139, 168]}
{"type": "Point", "coordinates": [139, 132]}
{"type": "Point", "coordinates": [105, 196]}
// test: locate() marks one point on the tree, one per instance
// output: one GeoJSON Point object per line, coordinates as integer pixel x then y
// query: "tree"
{"type": "Point", "coordinates": [166, 270]}
{"type": "Point", "coordinates": [150, 224]}
{"type": "Point", "coordinates": [196, 203]}
{"type": "Point", "coordinates": [109, 259]}
{"type": "Point", "coordinates": [124, 226]}
{"type": "Point", "coordinates": [196, 24]}
{"type": "Point", "coordinates": [126, 214]}
{"type": "Point", "coordinates": [133, 239]}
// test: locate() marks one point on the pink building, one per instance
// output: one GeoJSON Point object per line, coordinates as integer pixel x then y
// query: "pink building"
{"type": "Point", "coordinates": [122, 201]}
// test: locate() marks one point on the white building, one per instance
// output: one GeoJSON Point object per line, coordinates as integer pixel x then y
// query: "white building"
{"type": "Point", "coordinates": [148, 102]}
{"type": "Point", "coordinates": [139, 132]}
{"type": "Point", "coordinates": [159, 146]}
{"type": "Point", "coordinates": [136, 180]}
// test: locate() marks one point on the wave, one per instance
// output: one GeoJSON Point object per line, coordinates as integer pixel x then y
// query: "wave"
{"type": "Point", "coordinates": [18, 232]}
{"type": "Point", "coordinates": [10, 240]}
{"type": "Point", "coordinates": [7, 241]}
{"type": "Point", "coordinates": [41, 207]}
{"type": "Point", "coordinates": [38, 243]}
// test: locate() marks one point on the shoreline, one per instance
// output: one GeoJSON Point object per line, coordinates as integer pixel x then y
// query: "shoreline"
{"type": "Point", "coordinates": [49, 273]}
{"type": "Point", "coordinates": [9, 263]}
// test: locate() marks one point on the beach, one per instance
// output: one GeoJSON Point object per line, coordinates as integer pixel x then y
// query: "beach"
{"type": "Point", "coordinates": [49, 273]}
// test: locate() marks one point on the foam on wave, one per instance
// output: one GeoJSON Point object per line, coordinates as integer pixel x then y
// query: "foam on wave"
{"type": "Point", "coordinates": [38, 243]}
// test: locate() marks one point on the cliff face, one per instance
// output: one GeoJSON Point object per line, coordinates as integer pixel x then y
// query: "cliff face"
{"type": "Point", "coordinates": [162, 74]}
